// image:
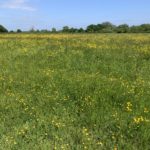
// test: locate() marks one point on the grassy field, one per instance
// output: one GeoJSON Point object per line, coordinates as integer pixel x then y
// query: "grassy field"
{"type": "Point", "coordinates": [74, 92]}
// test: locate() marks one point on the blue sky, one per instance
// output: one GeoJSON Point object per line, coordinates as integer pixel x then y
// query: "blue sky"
{"type": "Point", "coordinates": [45, 14]}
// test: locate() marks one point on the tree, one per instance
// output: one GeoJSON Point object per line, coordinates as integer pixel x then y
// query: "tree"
{"type": "Point", "coordinates": [32, 29]}
{"type": "Point", "coordinates": [104, 27]}
{"type": "Point", "coordinates": [107, 27]}
{"type": "Point", "coordinates": [81, 30]}
{"type": "Point", "coordinates": [54, 30]}
{"type": "Point", "coordinates": [11, 31]}
{"type": "Point", "coordinates": [145, 28]}
{"type": "Point", "coordinates": [100, 27]}
{"type": "Point", "coordinates": [72, 30]}
{"type": "Point", "coordinates": [91, 28]}
{"type": "Point", "coordinates": [44, 31]}
{"type": "Point", "coordinates": [3, 29]}
{"type": "Point", "coordinates": [19, 31]}
{"type": "Point", "coordinates": [124, 28]}
{"type": "Point", "coordinates": [134, 29]}
{"type": "Point", "coordinates": [65, 29]}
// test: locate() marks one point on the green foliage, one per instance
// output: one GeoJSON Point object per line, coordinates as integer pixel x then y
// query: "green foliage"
{"type": "Point", "coordinates": [74, 91]}
{"type": "Point", "coordinates": [44, 31]}
{"type": "Point", "coordinates": [91, 28]}
{"type": "Point", "coordinates": [105, 27]}
{"type": "Point", "coordinates": [145, 28]}
{"type": "Point", "coordinates": [19, 31]}
{"type": "Point", "coordinates": [81, 30]}
{"type": "Point", "coordinates": [54, 30]}
{"type": "Point", "coordinates": [3, 29]}
{"type": "Point", "coordinates": [124, 28]}
{"type": "Point", "coordinates": [65, 29]}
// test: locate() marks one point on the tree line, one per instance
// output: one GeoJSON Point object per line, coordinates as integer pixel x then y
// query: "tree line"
{"type": "Point", "coordinates": [105, 27]}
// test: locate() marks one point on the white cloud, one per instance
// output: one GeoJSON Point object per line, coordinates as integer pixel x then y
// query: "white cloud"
{"type": "Point", "coordinates": [17, 4]}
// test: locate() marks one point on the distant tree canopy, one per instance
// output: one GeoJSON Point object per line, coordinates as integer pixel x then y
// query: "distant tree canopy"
{"type": "Point", "coordinates": [108, 27]}
{"type": "Point", "coordinates": [3, 29]}
{"type": "Point", "coordinates": [53, 30]}
{"type": "Point", "coordinates": [105, 27]}
{"type": "Point", "coordinates": [124, 28]}
{"type": "Point", "coordinates": [19, 31]}
{"type": "Point", "coordinates": [66, 29]}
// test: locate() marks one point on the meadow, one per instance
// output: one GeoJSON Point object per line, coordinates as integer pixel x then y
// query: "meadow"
{"type": "Point", "coordinates": [74, 91]}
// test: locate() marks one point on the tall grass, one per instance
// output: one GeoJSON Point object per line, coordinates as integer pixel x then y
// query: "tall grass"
{"type": "Point", "coordinates": [75, 91]}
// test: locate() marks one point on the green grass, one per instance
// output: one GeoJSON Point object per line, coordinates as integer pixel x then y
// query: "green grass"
{"type": "Point", "coordinates": [75, 92]}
